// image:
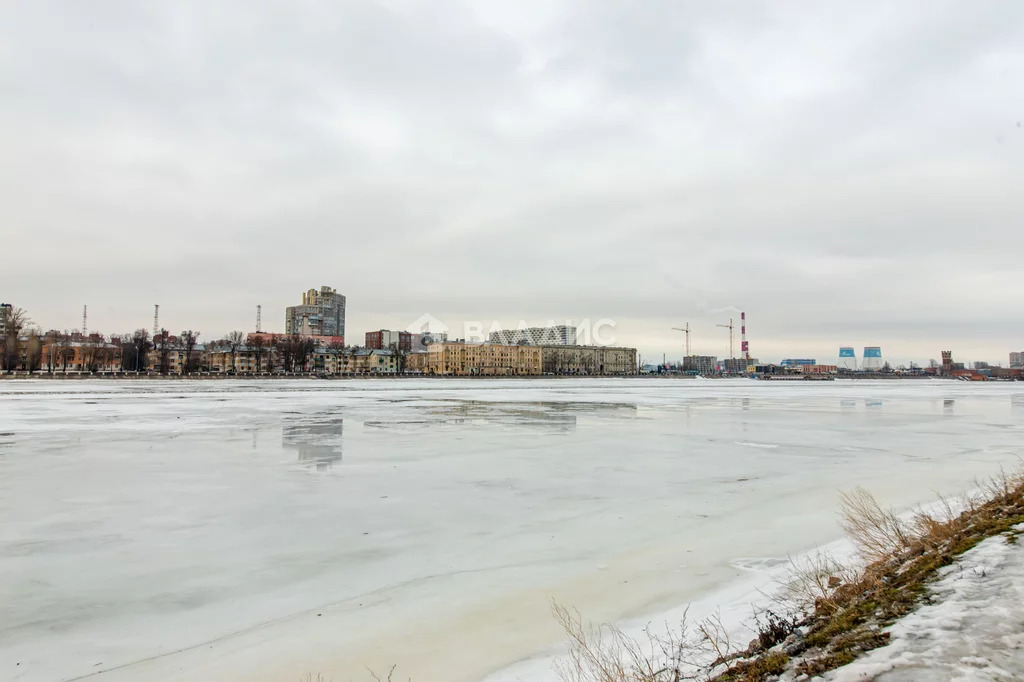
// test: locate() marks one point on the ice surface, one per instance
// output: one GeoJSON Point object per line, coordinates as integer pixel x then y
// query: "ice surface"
{"type": "Point", "coordinates": [265, 530]}
{"type": "Point", "coordinates": [973, 631]}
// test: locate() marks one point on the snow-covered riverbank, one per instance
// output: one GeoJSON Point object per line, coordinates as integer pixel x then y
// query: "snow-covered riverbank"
{"type": "Point", "coordinates": [971, 629]}
{"type": "Point", "coordinates": [233, 530]}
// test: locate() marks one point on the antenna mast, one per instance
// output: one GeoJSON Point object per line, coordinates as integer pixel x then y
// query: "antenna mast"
{"type": "Point", "coordinates": [156, 320]}
{"type": "Point", "coordinates": [259, 318]}
{"type": "Point", "coordinates": [85, 320]}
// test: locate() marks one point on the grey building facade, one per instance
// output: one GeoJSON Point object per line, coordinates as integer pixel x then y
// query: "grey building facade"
{"type": "Point", "coordinates": [322, 313]}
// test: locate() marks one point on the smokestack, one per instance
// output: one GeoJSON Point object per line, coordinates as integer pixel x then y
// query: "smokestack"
{"type": "Point", "coordinates": [744, 348]}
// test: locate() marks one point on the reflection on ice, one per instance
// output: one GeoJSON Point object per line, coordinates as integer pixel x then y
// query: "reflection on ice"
{"type": "Point", "coordinates": [317, 437]}
{"type": "Point", "coordinates": [549, 415]}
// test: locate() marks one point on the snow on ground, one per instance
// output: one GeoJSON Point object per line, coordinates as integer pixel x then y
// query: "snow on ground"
{"type": "Point", "coordinates": [245, 530]}
{"type": "Point", "coordinates": [972, 629]}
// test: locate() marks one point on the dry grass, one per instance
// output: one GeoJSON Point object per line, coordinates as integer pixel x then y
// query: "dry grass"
{"type": "Point", "coordinates": [877, 532]}
{"type": "Point", "coordinates": [810, 582]}
{"type": "Point", "coordinates": [374, 676]}
{"type": "Point", "coordinates": [904, 557]}
{"type": "Point", "coordinates": [834, 612]}
{"type": "Point", "coordinates": [603, 653]}
{"type": "Point", "coordinates": [378, 678]}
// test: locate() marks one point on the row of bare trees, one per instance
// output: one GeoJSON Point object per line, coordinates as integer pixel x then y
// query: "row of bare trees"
{"type": "Point", "coordinates": [294, 352]}
{"type": "Point", "coordinates": [135, 349]}
{"type": "Point", "coordinates": [23, 348]}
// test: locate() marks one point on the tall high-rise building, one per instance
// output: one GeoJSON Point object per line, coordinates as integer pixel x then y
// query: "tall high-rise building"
{"type": "Point", "coordinates": [4, 309]}
{"type": "Point", "coordinates": [1017, 360]}
{"type": "Point", "coordinates": [322, 313]}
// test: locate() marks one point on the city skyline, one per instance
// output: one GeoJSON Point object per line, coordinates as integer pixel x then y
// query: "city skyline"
{"type": "Point", "coordinates": [832, 172]}
{"type": "Point", "coordinates": [484, 330]}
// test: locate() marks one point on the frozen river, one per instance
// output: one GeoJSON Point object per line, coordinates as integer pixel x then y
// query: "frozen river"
{"type": "Point", "coordinates": [262, 531]}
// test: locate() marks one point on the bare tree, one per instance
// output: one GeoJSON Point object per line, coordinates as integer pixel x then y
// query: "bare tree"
{"type": "Point", "coordinates": [15, 320]}
{"type": "Point", "coordinates": [188, 340]}
{"type": "Point", "coordinates": [141, 345]}
{"type": "Point", "coordinates": [65, 351]}
{"type": "Point", "coordinates": [87, 356]}
{"type": "Point", "coordinates": [286, 347]}
{"type": "Point", "coordinates": [236, 339]}
{"type": "Point", "coordinates": [399, 357]}
{"type": "Point", "coordinates": [100, 357]}
{"type": "Point", "coordinates": [259, 348]}
{"type": "Point", "coordinates": [162, 345]}
{"type": "Point", "coordinates": [33, 352]}
{"type": "Point", "coordinates": [50, 349]}
{"type": "Point", "coordinates": [303, 349]}
{"type": "Point", "coordinates": [128, 359]}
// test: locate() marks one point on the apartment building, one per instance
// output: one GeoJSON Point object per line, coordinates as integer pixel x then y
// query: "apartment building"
{"type": "Point", "coordinates": [558, 335]}
{"type": "Point", "coordinates": [476, 359]}
{"type": "Point", "coordinates": [385, 338]}
{"type": "Point", "coordinates": [322, 313]}
{"type": "Point", "coordinates": [365, 361]}
{"type": "Point", "coordinates": [473, 359]}
{"type": "Point", "coordinates": [244, 360]}
{"type": "Point", "coordinates": [175, 359]}
{"type": "Point", "coordinates": [78, 354]}
{"type": "Point", "coordinates": [417, 363]}
{"type": "Point", "coordinates": [701, 364]}
{"type": "Point", "coordinates": [588, 360]}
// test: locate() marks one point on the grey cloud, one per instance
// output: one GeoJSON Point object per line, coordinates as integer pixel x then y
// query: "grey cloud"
{"type": "Point", "coordinates": [831, 169]}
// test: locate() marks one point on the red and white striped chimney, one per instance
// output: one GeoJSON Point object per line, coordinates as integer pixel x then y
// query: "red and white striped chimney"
{"type": "Point", "coordinates": [743, 337]}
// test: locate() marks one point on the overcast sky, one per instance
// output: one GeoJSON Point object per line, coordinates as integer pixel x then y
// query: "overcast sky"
{"type": "Point", "coordinates": [846, 173]}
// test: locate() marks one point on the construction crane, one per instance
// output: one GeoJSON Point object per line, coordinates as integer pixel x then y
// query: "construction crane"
{"type": "Point", "coordinates": [730, 328]}
{"type": "Point", "coordinates": [685, 330]}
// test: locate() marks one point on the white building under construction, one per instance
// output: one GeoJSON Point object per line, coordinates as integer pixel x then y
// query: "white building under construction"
{"type": "Point", "coordinates": [556, 335]}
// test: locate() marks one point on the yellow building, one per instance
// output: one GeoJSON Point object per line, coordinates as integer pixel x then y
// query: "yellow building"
{"type": "Point", "coordinates": [474, 359]}
{"type": "Point", "coordinates": [244, 360]}
{"type": "Point", "coordinates": [416, 362]}
{"type": "Point", "coordinates": [366, 361]}
{"type": "Point", "coordinates": [78, 355]}
{"type": "Point", "coordinates": [478, 359]}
